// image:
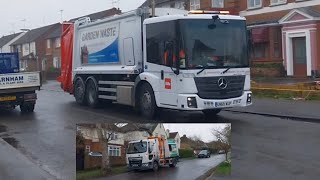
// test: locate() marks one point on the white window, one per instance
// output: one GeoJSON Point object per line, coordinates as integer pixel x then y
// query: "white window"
{"type": "Point", "coordinates": [19, 48]}
{"type": "Point", "coordinates": [114, 151]}
{"type": "Point", "coordinates": [23, 65]}
{"type": "Point", "coordinates": [43, 64]}
{"type": "Point", "coordinates": [254, 3]}
{"type": "Point", "coordinates": [179, 5]}
{"type": "Point", "coordinates": [166, 6]}
{"type": "Point", "coordinates": [26, 47]}
{"type": "Point", "coordinates": [278, 1]}
{"type": "Point", "coordinates": [48, 43]}
{"type": "Point", "coordinates": [194, 4]}
{"type": "Point", "coordinates": [56, 62]}
{"type": "Point", "coordinates": [218, 3]}
{"type": "Point", "coordinates": [58, 42]}
{"type": "Point", "coordinates": [114, 136]}
{"type": "Point", "coordinates": [87, 148]}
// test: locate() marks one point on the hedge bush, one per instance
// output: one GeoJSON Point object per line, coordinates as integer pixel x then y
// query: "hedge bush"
{"type": "Point", "coordinates": [186, 153]}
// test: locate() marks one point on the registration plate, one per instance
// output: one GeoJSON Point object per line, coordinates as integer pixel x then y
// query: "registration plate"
{"type": "Point", "coordinates": [8, 98]}
{"type": "Point", "coordinates": [227, 103]}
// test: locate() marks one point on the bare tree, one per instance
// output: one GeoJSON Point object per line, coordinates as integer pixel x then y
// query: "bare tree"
{"type": "Point", "coordinates": [106, 133]}
{"type": "Point", "coordinates": [223, 139]}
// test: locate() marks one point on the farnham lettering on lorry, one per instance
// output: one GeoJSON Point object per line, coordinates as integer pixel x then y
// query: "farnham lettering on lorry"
{"type": "Point", "coordinates": [9, 80]}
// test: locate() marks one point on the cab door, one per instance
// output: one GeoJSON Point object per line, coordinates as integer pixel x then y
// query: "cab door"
{"type": "Point", "coordinates": [160, 45]}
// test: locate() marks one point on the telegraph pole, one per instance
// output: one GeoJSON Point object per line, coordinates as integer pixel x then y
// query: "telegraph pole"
{"type": "Point", "coordinates": [153, 7]}
{"type": "Point", "coordinates": [61, 15]}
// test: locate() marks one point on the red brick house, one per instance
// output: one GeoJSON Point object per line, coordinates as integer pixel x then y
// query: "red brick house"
{"type": "Point", "coordinates": [116, 148]}
{"type": "Point", "coordinates": [32, 47]}
{"type": "Point", "coordinates": [285, 32]}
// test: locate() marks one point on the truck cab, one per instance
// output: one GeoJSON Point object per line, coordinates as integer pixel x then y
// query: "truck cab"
{"type": "Point", "coordinates": [149, 154]}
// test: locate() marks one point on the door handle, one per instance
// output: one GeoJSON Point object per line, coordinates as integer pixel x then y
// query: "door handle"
{"type": "Point", "coordinates": [162, 74]}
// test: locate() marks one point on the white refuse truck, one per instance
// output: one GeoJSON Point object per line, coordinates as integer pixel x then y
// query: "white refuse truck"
{"type": "Point", "coordinates": [150, 153]}
{"type": "Point", "coordinates": [17, 89]}
{"type": "Point", "coordinates": [188, 61]}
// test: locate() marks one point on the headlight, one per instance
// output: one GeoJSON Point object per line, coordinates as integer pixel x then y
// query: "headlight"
{"type": "Point", "coordinates": [192, 102]}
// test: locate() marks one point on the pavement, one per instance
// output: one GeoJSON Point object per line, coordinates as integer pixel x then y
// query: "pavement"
{"type": "Point", "coordinates": [15, 165]}
{"type": "Point", "coordinates": [185, 169]}
{"type": "Point", "coordinates": [297, 109]}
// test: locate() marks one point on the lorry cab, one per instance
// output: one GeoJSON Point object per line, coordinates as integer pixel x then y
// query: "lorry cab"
{"type": "Point", "coordinates": [9, 63]}
{"type": "Point", "coordinates": [149, 154]}
{"type": "Point", "coordinates": [200, 61]}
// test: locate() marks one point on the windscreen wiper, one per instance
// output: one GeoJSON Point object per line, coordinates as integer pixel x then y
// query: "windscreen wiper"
{"type": "Point", "coordinates": [204, 68]}
{"type": "Point", "coordinates": [225, 71]}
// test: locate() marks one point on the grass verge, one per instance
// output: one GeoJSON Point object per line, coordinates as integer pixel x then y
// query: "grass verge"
{"type": "Point", "coordinates": [224, 169]}
{"type": "Point", "coordinates": [287, 94]}
{"type": "Point", "coordinates": [95, 173]}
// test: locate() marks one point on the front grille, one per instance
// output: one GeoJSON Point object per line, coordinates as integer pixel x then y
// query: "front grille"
{"type": "Point", "coordinates": [208, 87]}
{"type": "Point", "coordinates": [135, 163]}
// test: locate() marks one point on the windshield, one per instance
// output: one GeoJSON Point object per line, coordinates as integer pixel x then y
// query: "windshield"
{"type": "Point", "coordinates": [214, 44]}
{"type": "Point", "coordinates": [203, 152]}
{"type": "Point", "coordinates": [8, 62]}
{"type": "Point", "coordinates": [138, 147]}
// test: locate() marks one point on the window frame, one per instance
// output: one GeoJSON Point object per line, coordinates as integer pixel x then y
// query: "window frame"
{"type": "Point", "coordinates": [48, 43]}
{"type": "Point", "coordinates": [278, 2]}
{"type": "Point", "coordinates": [213, 5]}
{"type": "Point", "coordinates": [114, 151]}
{"type": "Point", "coordinates": [194, 4]}
{"type": "Point", "coordinates": [57, 42]}
{"type": "Point", "coordinates": [254, 6]}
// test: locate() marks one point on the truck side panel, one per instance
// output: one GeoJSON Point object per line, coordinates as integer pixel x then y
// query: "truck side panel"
{"type": "Point", "coordinates": [99, 46]}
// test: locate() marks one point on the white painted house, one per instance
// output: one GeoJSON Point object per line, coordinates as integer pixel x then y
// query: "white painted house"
{"type": "Point", "coordinates": [142, 131]}
{"type": "Point", "coordinates": [6, 41]}
{"type": "Point", "coordinates": [175, 136]}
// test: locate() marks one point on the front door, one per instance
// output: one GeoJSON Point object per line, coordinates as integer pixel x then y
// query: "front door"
{"type": "Point", "coordinates": [299, 57]}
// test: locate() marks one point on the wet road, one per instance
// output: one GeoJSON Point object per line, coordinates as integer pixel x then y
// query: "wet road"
{"type": "Point", "coordinates": [186, 170]}
{"type": "Point", "coordinates": [281, 148]}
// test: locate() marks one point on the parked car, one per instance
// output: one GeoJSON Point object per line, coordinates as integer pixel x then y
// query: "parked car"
{"type": "Point", "coordinates": [95, 154]}
{"type": "Point", "coordinates": [221, 152]}
{"type": "Point", "coordinates": [204, 154]}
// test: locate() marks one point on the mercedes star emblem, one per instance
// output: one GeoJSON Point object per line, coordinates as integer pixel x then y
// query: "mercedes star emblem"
{"type": "Point", "coordinates": [222, 83]}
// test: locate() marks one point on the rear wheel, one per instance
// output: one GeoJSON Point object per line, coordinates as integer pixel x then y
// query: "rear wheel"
{"type": "Point", "coordinates": [174, 163]}
{"type": "Point", "coordinates": [211, 113]}
{"type": "Point", "coordinates": [155, 166]}
{"type": "Point", "coordinates": [79, 92]}
{"type": "Point", "coordinates": [27, 107]}
{"type": "Point", "coordinates": [147, 101]}
{"type": "Point", "coordinates": [92, 93]}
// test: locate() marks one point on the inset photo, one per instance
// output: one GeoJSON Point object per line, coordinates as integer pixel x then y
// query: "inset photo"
{"type": "Point", "coordinates": [145, 151]}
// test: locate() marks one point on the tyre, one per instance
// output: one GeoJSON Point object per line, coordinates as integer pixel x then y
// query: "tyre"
{"type": "Point", "coordinates": [155, 166]}
{"type": "Point", "coordinates": [147, 101]}
{"type": "Point", "coordinates": [211, 113]}
{"type": "Point", "coordinates": [79, 92]}
{"type": "Point", "coordinates": [174, 163]}
{"type": "Point", "coordinates": [27, 107]}
{"type": "Point", "coordinates": [92, 94]}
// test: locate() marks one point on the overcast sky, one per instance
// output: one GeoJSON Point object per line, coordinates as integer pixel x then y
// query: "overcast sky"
{"type": "Point", "coordinates": [18, 14]}
{"type": "Point", "coordinates": [204, 131]}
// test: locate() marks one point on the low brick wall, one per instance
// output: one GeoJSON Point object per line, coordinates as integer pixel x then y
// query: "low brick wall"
{"type": "Point", "coordinates": [270, 69]}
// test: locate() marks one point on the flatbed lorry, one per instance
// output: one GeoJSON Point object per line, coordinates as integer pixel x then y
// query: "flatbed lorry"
{"type": "Point", "coordinates": [180, 60]}
{"type": "Point", "coordinates": [17, 89]}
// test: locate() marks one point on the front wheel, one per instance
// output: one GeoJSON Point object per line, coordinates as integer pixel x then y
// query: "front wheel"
{"type": "Point", "coordinates": [211, 113]}
{"type": "Point", "coordinates": [147, 101]}
{"type": "Point", "coordinates": [155, 166]}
